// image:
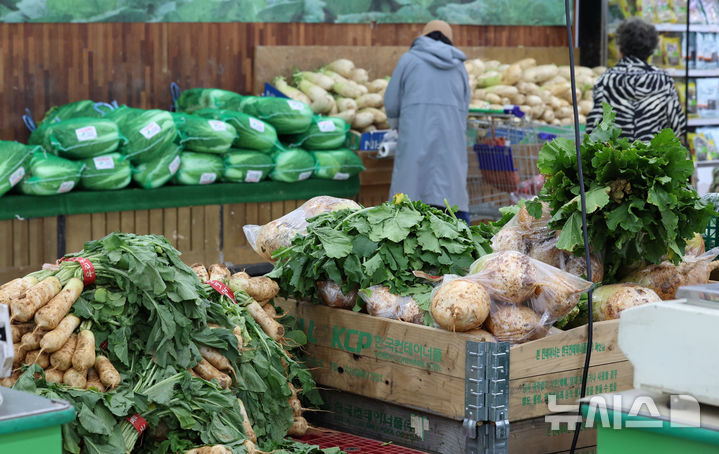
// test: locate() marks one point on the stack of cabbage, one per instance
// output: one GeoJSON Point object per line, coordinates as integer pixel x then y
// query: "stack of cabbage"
{"type": "Point", "coordinates": [341, 89]}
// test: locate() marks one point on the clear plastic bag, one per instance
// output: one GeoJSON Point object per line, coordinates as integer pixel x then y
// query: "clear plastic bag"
{"type": "Point", "coordinates": [665, 278]}
{"type": "Point", "coordinates": [278, 234]}
{"type": "Point", "coordinates": [531, 236]}
{"type": "Point", "coordinates": [513, 296]}
{"type": "Point", "coordinates": [331, 294]}
{"type": "Point", "coordinates": [380, 302]}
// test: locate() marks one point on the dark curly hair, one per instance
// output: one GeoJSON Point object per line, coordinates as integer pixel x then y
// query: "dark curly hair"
{"type": "Point", "coordinates": [637, 38]}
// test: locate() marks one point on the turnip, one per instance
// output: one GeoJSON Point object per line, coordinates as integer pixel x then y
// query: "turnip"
{"type": "Point", "coordinates": [513, 323]}
{"type": "Point", "coordinates": [344, 104]}
{"type": "Point", "coordinates": [377, 85]}
{"type": "Point", "coordinates": [219, 272]}
{"type": "Point", "coordinates": [280, 83]}
{"type": "Point", "coordinates": [578, 267]}
{"type": "Point", "coordinates": [16, 288]}
{"type": "Point", "coordinates": [246, 424]}
{"type": "Point", "coordinates": [20, 329]}
{"type": "Point", "coordinates": [62, 358]}
{"type": "Point", "coordinates": [209, 372]}
{"type": "Point", "coordinates": [610, 300]}
{"type": "Point", "coordinates": [695, 246]}
{"type": "Point", "coordinates": [37, 357]}
{"type": "Point", "coordinates": [299, 427]}
{"type": "Point", "coordinates": [460, 305]}
{"type": "Point", "coordinates": [664, 278]}
{"type": "Point", "coordinates": [201, 272]}
{"type": "Point", "coordinates": [509, 276]}
{"type": "Point", "coordinates": [316, 78]}
{"type": "Point", "coordinates": [382, 303]}
{"type": "Point", "coordinates": [481, 335]}
{"type": "Point", "coordinates": [332, 295]}
{"type": "Point", "coordinates": [369, 100]}
{"type": "Point", "coordinates": [75, 378]}
{"type": "Point", "coordinates": [54, 376]}
{"type": "Point", "coordinates": [84, 356]}
{"type": "Point", "coordinates": [93, 381]}
{"type": "Point", "coordinates": [260, 288]}
{"type": "Point", "coordinates": [268, 324]}
{"type": "Point", "coordinates": [359, 75]}
{"type": "Point", "coordinates": [107, 372]}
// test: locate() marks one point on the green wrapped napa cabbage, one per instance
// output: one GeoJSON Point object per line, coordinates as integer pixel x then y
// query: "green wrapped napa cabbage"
{"type": "Point", "coordinates": [208, 98]}
{"type": "Point", "coordinates": [204, 135]}
{"type": "Point", "coordinates": [287, 116]}
{"type": "Point", "coordinates": [247, 166]}
{"type": "Point", "coordinates": [252, 133]}
{"type": "Point", "coordinates": [337, 164]}
{"type": "Point", "coordinates": [147, 132]}
{"type": "Point", "coordinates": [84, 108]}
{"type": "Point", "coordinates": [292, 165]}
{"type": "Point", "coordinates": [14, 158]}
{"type": "Point", "coordinates": [110, 171]}
{"type": "Point", "coordinates": [199, 168]}
{"type": "Point", "coordinates": [79, 138]}
{"type": "Point", "coordinates": [49, 174]}
{"type": "Point", "coordinates": [325, 133]}
{"type": "Point", "coordinates": [155, 173]}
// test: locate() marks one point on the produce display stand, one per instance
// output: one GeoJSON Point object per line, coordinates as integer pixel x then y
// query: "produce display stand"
{"type": "Point", "coordinates": [485, 389]}
{"type": "Point", "coordinates": [204, 222]}
{"type": "Point", "coordinates": [31, 423]}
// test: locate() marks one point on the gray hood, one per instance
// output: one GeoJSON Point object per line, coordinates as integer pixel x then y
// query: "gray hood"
{"type": "Point", "coordinates": [437, 53]}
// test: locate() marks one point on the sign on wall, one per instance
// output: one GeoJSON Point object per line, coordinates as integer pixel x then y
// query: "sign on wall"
{"type": "Point", "coordinates": [476, 12]}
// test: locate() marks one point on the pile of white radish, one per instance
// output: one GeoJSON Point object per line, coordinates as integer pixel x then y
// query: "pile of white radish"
{"type": "Point", "coordinates": [340, 89]}
{"type": "Point", "coordinates": [45, 333]}
{"type": "Point", "coordinates": [543, 92]}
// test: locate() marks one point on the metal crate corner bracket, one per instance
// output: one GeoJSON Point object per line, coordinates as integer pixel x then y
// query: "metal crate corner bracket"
{"type": "Point", "coordinates": [486, 397]}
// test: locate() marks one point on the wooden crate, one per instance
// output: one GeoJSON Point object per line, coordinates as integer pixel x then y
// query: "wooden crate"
{"type": "Point", "coordinates": [407, 364]}
{"type": "Point", "coordinates": [436, 434]}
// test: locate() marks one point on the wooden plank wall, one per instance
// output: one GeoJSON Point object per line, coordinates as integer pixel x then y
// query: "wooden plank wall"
{"type": "Point", "coordinates": [48, 64]}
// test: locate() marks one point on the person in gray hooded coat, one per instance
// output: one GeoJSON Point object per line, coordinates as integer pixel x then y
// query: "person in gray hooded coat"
{"type": "Point", "coordinates": [427, 101]}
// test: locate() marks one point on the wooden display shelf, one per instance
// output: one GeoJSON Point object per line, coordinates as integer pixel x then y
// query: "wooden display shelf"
{"type": "Point", "coordinates": [406, 364]}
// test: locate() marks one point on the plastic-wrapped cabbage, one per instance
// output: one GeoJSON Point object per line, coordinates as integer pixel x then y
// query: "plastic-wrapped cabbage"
{"type": "Point", "coordinates": [337, 164]}
{"type": "Point", "coordinates": [292, 165]}
{"type": "Point", "coordinates": [147, 132]}
{"type": "Point", "coordinates": [286, 115]}
{"type": "Point", "coordinates": [155, 173]}
{"type": "Point", "coordinates": [208, 98]}
{"type": "Point", "coordinates": [252, 133]}
{"type": "Point", "coordinates": [49, 174]}
{"type": "Point", "coordinates": [198, 168]}
{"type": "Point", "coordinates": [14, 157]}
{"type": "Point", "coordinates": [203, 135]}
{"type": "Point", "coordinates": [80, 138]}
{"type": "Point", "coordinates": [84, 108]}
{"type": "Point", "coordinates": [325, 133]}
{"type": "Point", "coordinates": [247, 166]}
{"type": "Point", "coordinates": [110, 171]}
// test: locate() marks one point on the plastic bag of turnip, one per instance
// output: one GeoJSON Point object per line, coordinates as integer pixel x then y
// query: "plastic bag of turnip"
{"type": "Point", "coordinates": [278, 234]}
{"type": "Point", "coordinates": [665, 278]}
{"type": "Point", "coordinates": [331, 294]}
{"type": "Point", "coordinates": [380, 302]}
{"type": "Point", "coordinates": [511, 295]}
{"type": "Point", "coordinates": [531, 236]}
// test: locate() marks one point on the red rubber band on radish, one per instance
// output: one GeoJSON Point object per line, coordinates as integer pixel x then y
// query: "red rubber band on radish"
{"type": "Point", "coordinates": [138, 422]}
{"type": "Point", "coordinates": [88, 270]}
{"type": "Point", "coordinates": [222, 289]}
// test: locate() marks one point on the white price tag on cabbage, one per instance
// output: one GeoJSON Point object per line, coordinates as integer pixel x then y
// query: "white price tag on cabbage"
{"type": "Point", "coordinates": [174, 165]}
{"type": "Point", "coordinates": [86, 133]}
{"type": "Point", "coordinates": [17, 175]}
{"type": "Point", "coordinates": [295, 105]}
{"type": "Point", "coordinates": [217, 125]}
{"type": "Point", "coordinates": [66, 186]}
{"type": "Point", "coordinates": [253, 176]}
{"type": "Point", "coordinates": [104, 162]}
{"type": "Point", "coordinates": [151, 130]}
{"type": "Point", "coordinates": [257, 125]}
{"type": "Point", "coordinates": [326, 126]}
{"type": "Point", "coordinates": [304, 175]}
{"type": "Point", "coordinates": [208, 178]}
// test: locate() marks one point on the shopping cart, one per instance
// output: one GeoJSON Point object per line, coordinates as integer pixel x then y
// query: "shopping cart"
{"type": "Point", "coordinates": [503, 148]}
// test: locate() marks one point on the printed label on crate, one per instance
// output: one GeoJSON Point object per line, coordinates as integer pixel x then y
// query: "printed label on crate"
{"type": "Point", "coordinates": [295, 105]}
{"type": "Point", "coordinates": [88, 270]}
{"type": "Point", "coordinates": [207, 178]}
{"type": "Point", "coordinates": [424, 356]}
{"type": "Point", "coordinates": [253, 176]}
{"type": "Point", "coordinates": [104, 162]}
{"type": "Point", "coordinates": [257, 125]}
{"type": "Point", "coordinates": [568, 388]}
{"type": "Point", "coordinates": [151, 130]}
{"type": "Point", "coordinates": [326, 126]}
{"type": "Point", "coordinates": [65, 186]}
{"type": "Point", "coordinates": [567, 350]}
{"type": "Point", "coordinates": [138, 422]}
{"type": "Point", "coordinates": [341, 176]}
{"type": "Point", "coordinates": [304, 175]}
{"type": "Point", "coordinates": [217, 125]}
{"type": "Point", "coordinates": [17, 175]}
{"type": "Point", "coordinates": [222, 289]}
{"type": "Point", "coordinates": [174, 165]}
{"type": "Point", "coordinates": [400, 424]}
{"type": "Point", "coordinates": [86, 133]}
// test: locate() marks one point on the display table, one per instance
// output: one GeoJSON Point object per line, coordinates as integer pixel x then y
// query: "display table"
{"type": "Point", "coordinates": [204, 222]}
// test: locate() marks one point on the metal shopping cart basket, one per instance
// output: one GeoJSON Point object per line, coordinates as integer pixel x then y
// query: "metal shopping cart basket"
{"type": "Point", "coordinates": [503, 148]}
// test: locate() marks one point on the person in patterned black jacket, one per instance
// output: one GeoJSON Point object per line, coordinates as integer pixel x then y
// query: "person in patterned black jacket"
{"type": "Point", "coordinates": [643, 96]}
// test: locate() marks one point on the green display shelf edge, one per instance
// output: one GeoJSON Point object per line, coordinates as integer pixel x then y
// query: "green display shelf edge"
{"type": "Point", "coordinates": [52, 418]}
{"type": "Point", "coordinates": [699, 434]}
{"type": "Point", "coordinates": [85, 202]}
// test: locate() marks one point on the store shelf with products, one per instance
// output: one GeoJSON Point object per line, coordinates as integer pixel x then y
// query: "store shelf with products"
{"type": "Point", "coordinates": [703, 122]}
{"type": "Point", "coordinates": [677, 72]}
{"type": "Point", "coordinates": [679, 28]}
